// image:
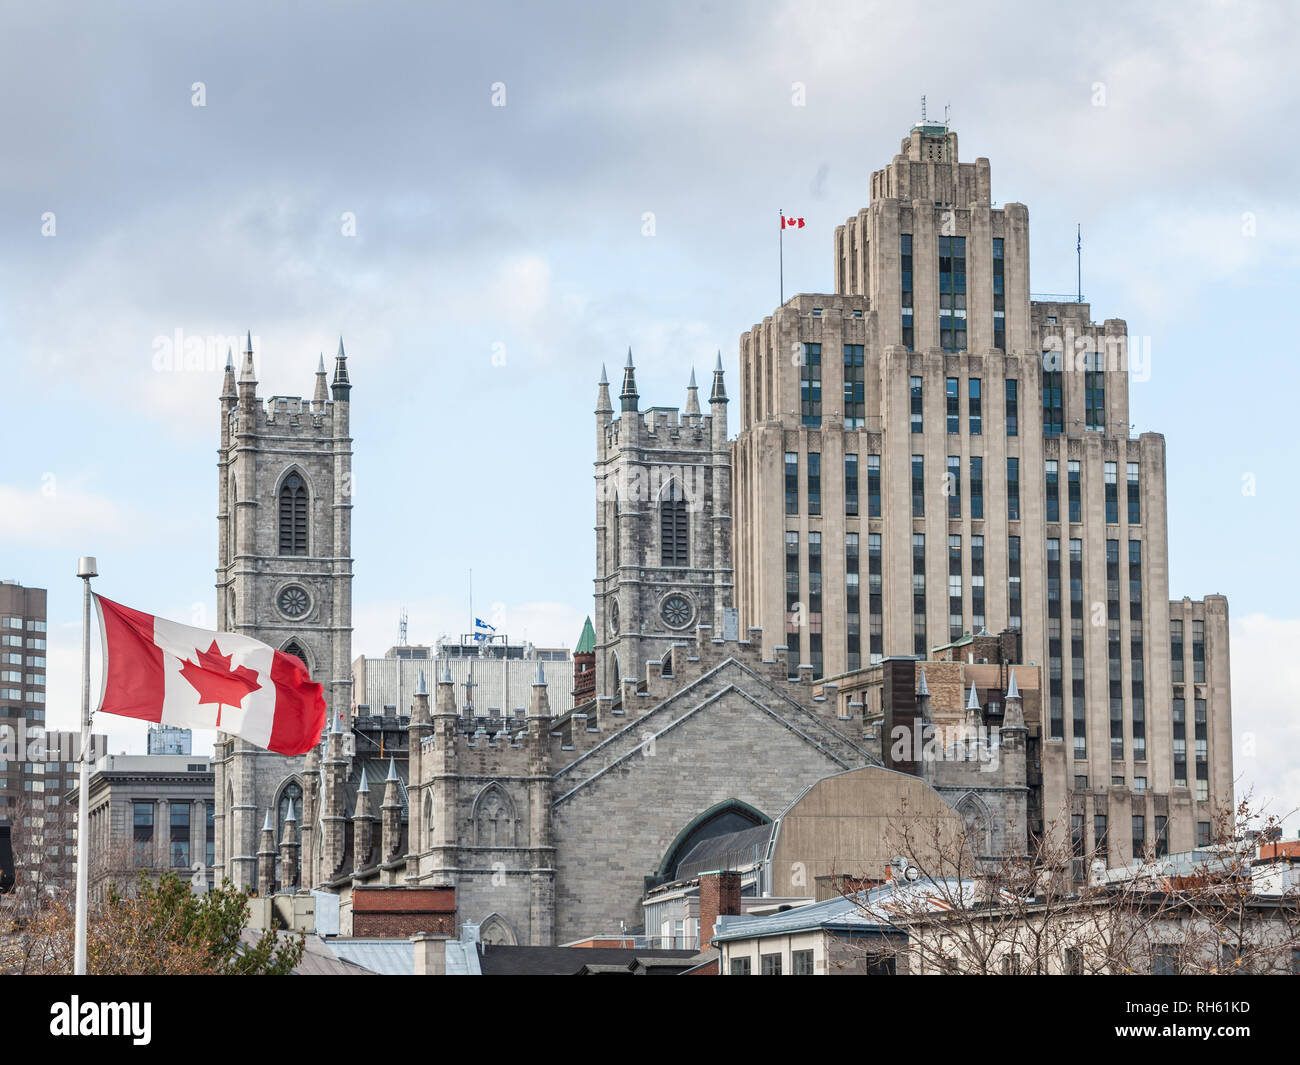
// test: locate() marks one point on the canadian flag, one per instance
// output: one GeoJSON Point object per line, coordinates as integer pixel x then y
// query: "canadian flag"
{"type": "Point", "coordinates": [791, 223]}
{"type": "Point", "coordinates": [158, 670]}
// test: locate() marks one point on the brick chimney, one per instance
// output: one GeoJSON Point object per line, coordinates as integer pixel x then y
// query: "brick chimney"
{"type": "Point", "coordinates": [719, 897]}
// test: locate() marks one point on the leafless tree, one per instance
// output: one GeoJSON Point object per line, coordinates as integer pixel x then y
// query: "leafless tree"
{"type": "Point", "coordinates": [1218, 912]}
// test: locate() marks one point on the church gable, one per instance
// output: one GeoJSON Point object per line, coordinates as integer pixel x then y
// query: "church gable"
{"type": "Point", "coordinates": [627, 801]}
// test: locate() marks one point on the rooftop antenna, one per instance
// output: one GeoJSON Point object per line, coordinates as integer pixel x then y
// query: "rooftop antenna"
{"type": "Point", "coordinates": [947, 112]}
{"type": "Point", "coordinates": [1078, 255]}
{"type": "Point", "coordinates": [401, 629]}
{"type": "Point", "coordinates": [923, 109]}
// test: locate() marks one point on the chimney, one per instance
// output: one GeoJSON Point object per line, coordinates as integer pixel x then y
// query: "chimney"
{"type": "Point", "coordinates": [430, 954]}
{"type": "Point", "coordinates": [719, 897]}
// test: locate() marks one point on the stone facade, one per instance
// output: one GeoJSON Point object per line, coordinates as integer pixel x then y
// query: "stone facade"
{"type": "Point", "coordinates": [663, 526]}
{"type": "Point", "coordinates": [945, 455]}
{"type": "Point", "coordinates": [284, 576]}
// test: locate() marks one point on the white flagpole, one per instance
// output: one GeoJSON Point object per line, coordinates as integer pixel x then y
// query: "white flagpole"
{"type": "Point", "coordinates": [86, 569]}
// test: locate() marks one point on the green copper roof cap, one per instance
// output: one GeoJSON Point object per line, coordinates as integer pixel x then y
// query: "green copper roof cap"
{"type": "Point", "coordinates": [587, 641]}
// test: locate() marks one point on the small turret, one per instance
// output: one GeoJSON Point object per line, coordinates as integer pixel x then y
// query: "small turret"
{"type": "Point", "coordinates": [719, 393]}
{"type": "Point", "coordinates": [974, 715]}
{"type": "Point", "coordinates": [248, 376]}
{"type": "Point", "coordinates": [629, 397]}
{"type": "Point", "coordinates": [321, 395]}
{"type": "Point", "coordinates": [342, 386]}
{"type": "Point", "coordinates": [1013, 715]}
{"type": "Point", "coordinates": [603, 403]}
{"type": "Point", "coordinates": [692, 397]}
{"type": "Point", "coordinates": [289, 852]}
{"type": "Point", "coordinates": [362, 827]}
{"type": "Point", "coordinates": [420, 703]}
{"type": "Point", "coordinates": [718, 409]}
{"type": "Point", "coordinates": [266, 859]}
{"type": "Point", "coordinates": [391, 842]}
{"type": "Point", "coordinates": [228, 381]}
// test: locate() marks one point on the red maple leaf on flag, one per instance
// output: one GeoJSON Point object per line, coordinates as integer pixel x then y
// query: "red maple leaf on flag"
{"type": "Point", "coordinates": [216, 682]}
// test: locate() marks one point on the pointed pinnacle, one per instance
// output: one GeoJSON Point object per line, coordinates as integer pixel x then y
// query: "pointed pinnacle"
{"type": "Point", "coordinates": [718, 367]}
{"type": "Point", "coordinates": [1013, 691]}
{"type": "Point", "coordinates": [973, 703]}
{"type": "Point", "coordinates": [420, 688]}
{"type": "Point", "coordinates": [629, 355]}
{"type": "Point", "coordinates": [267, 827]}
{"type": "Point", "coordinates": [248, 344]}
{"type": "Point", "coordinates": [603, 379]}
{"type": "Point", "coordinates": [341, 354]}
{"type": "Point", "coordinates": [230, 360]}
{"type": "Point", "coordinates": [320, 366]}
{"type": "Point", "coordinates": [364, 786]}
{"type": "Point", "coordinates": [925, 688]}
{"type": "Point", "coordinates": [392, 768]}
{"type": "Point", "coordinates": [289, 816]}
{"type": "Point", "coordinates": [446, 675]}
{"type": "Point", "coordinates": [541, 676]}
{"type": "Point", "coordinates": [692, 384]}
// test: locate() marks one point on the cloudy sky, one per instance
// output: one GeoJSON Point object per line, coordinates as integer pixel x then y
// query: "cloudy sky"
{"type": "Point", "coordinates": [500, 254]}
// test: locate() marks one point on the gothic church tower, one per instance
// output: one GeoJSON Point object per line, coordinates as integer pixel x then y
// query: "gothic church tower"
{"type": "Point", "coordinates": [284, 576]}
{"type": "Point", "coordinates": [663, 527]}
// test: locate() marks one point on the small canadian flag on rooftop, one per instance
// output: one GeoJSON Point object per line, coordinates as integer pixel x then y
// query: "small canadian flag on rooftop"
{"type": "Point", "coordinates": [159, 670]}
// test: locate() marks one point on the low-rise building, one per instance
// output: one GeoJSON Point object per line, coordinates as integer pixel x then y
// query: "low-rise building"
{"type": "Point", "coordinates": [151, 814]}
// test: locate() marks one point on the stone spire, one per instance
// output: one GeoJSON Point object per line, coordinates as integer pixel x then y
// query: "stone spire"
{"type": "Point", "coordinates": [391, 812]}
{"type": "Point", "coordinates": [289, 852]}
{"type": "Point", "coordinates": [603, 404]}
{"type": "Point", "coordinates": [333, 820]}
{"type": "Point", "coordinates": [247, 372]}
{"type": "Point", "coordinates": [692, 396]}
{"type": "Point", "coordinates": [362, 827]}
{"type": "Point", "coordinates": [342, 386]}
{"type": "Point", "coordinates": [628, 396]}
{"type": "Point", "coordinates": [1013, 714]}
{"type": "Point", "coordinates": [248, 378]}
{"type": "Point", "coordinates": [719, 393]}
{"type": "Point", "coordinates": [228, 382]}
{"type": "Point", "coordinates": [266, 859]}
{"type": "Point", "coordinates": [974, 717]}
{"type": "Point", "coordinates": [322, 385]}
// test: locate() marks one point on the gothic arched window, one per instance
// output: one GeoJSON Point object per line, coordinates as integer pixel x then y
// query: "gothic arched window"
{"type": "Point", "coordinates": [293, 647]}
{"type": "Point", "coordinates": [494, 818]}
{"type": "Point", "coordinates": [293, 516]}
{"type": "Point", "coordinates": [975, 820]}
{"type": "Point", "coordinates": [290, 793]}
{"type": "Point", "coordinates": [673, 528]}
{"type": "Point", "coordinates": [428, 815]}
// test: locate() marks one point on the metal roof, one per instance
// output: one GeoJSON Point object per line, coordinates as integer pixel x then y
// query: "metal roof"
{"type": "Point", "coordinates": [587, 641]}
{"type": "Point", "coordinates": [387, 957]}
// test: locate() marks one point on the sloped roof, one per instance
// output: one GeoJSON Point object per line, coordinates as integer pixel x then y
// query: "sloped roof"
{"type": "Point", "coordinates": [587, 641]}
{"type": "Point", "coordinates": [734, 850]}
